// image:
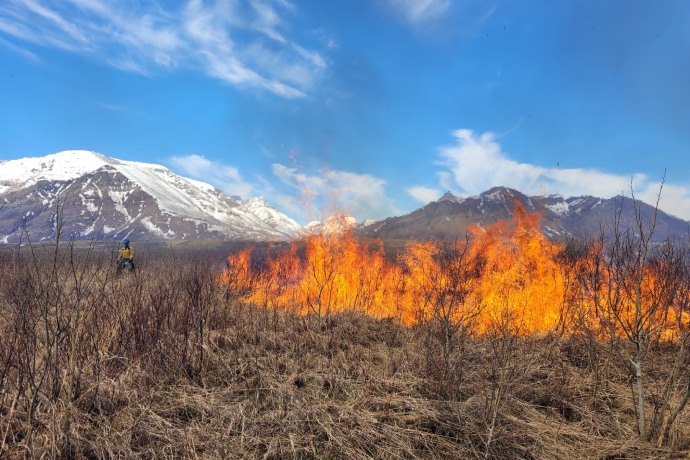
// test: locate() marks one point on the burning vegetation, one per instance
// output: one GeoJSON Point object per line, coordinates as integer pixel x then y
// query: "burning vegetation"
{"type": "Point", "coordinates": [504, 280]}
{"type": "Point", "coordinates": [506, 274]}
{"type": "Point", "coordinates": [502, 344]}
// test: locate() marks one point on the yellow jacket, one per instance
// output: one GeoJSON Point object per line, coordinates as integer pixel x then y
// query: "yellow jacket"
{"type": "Point", "coordinates": [126, 253]}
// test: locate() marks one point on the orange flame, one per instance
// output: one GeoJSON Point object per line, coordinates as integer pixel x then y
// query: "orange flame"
{"type": "Point", "coordinates": [508, 274]}
{"type": "Point", "coordinates": [522, 282]}
{"type": "Point", "coordinates": [338, 273]}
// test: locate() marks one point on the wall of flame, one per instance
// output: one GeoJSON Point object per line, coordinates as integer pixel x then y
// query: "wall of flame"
{"type": "Point", "coordinates": [506, 275]}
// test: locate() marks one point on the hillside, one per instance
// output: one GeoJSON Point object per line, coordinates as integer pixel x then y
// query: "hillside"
{"type": "Point", "coordinates": [450, 217]}
{"type": "Point", "coordinates": [88, 195]}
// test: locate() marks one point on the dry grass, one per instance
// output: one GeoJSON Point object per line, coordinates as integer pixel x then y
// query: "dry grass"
{"type": "Point", "coordinates": [165, 364]}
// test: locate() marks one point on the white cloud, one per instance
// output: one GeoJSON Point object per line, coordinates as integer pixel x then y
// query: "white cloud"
{"type": "Point", "coordinates": [17, 23]}
{"type": "Point", "coordinates": [241, 42]}
{"type": "Point", "coordinates": [424, 194]}
{"type": "Point", "coordinates": [476, 162]}
{"type": "Point", "coordinates": [73, 31]}
{"type": "Point", "coordinates": [320, 195]}
{"type": "Point", "coordinates": [675, 199]}
{"type": "Point", "coordinates": [224, 177]}
{"type": "Point", "coordinates": [268, 60]}
{"type": "Point", "coordinates": [417, 11]}
{"type": "Point", "coordinates": [267, 20]}
{"type": "Point", "coordinates": [19, 50]}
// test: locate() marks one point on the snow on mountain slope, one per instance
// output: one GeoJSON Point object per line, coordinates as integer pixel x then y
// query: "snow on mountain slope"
{"type": "Point", "coordinates": [62, 166]}
{"type": "Point", "coordinates": [174, 193]}
{"type": "Point", "coordinates": [333, 224]}
{"type": "Point", "coordinates": [116, 195]}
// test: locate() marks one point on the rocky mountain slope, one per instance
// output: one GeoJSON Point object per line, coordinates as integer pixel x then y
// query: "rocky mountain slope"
{"type": "Point", "coordinates": [561, 218]}
{"type": "Point", "coordinates": [88, 195]}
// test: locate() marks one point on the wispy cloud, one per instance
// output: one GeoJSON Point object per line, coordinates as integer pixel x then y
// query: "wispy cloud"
{"type": "Point", "coordinates": [18, 21]}
{"type": "Point", "coordinates": [224, 177]}
{"type": "Point", "coordinates": [305, 196]}
{"type": "Point", "coordinates": [320, 195]}
{"type": "Point", "coordinates": [424, 194]}
{"type": "Point", "coordinates": [242, 42]}
{"type": "Point", "coordinates": [419, 11]}
{"type": "Point", "coordinates": [476, 162]}
{"type": "Point", "coordinates": [19, 50]}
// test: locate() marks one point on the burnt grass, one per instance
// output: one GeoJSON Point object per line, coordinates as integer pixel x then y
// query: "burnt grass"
{"type": "Point", "coordinates": [166, 363]}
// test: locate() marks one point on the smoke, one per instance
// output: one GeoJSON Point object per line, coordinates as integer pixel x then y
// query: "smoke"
{"type": "Point", "coordinates": [332, 191]}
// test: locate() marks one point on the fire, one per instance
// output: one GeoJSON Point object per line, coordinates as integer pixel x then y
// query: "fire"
{"type": "Point", "coordinates": [508, 274]}
{"type": "Point", "coordinates": [337, 273]}
{"type": "Point", "coordinates": [522, 282]}
{"type": "Point", "coordinates": [632, 293]}
{"type": "Point", "coordinates": [441, 282]}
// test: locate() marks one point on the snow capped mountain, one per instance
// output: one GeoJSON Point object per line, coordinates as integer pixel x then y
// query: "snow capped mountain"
{"type": "Point", "coordinates": [94, 196]}
{"type": "Point", "coordinates": [87, 195]}
{"type": "Point", "coordinates": [333, 224]}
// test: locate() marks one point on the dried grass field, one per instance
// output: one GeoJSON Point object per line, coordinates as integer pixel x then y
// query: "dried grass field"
{"type": "Point", "coordinates": [168, 362]}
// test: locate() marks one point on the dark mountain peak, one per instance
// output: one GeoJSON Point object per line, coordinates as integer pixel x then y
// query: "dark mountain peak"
{"type": "Point", "coordinates": [448, 196]}
{"type": "Point", "coordinates": [561, 218]}
{"type": "Point", "coordinates": [498, 188]}
{"type": "Point", "coordinates": [502, 196]}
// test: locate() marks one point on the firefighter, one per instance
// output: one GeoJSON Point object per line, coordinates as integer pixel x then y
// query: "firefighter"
{"type": "Point", "coordinates": [125, 258]}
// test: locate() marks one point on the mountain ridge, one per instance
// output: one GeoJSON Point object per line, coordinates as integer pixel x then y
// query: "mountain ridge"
{"type": "Point", "coordinates": [561, 218]}
{"type": "Point", "coordinates": [101, 197]}
{"type": "Point", "coordinates": [94, 196]}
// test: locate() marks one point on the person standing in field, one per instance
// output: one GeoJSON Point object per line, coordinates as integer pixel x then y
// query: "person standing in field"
{"type": "Point", "coordinates": [125, 257]}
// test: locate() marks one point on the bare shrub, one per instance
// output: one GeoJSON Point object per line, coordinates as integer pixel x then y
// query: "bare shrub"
{"type": "Point", "coordinates": [166, 363]}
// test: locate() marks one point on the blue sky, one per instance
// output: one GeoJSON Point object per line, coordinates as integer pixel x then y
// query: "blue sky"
{"type": "Point", "coordinates": [373, 107]}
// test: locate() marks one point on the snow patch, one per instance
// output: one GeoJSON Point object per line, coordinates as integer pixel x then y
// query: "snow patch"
{"type": "Point", "coordinates": [148, 225]}
{"type": "Point", "coordinates": [119, 199]}
{"type": "Point", "coordinates": [87, 202]}
{"type": "Point", "coordinates": [562, 208]}
{"type": "Point", "coordinates": [496, 195]}
{"type": "Point", "coordinates": [90, 229]}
